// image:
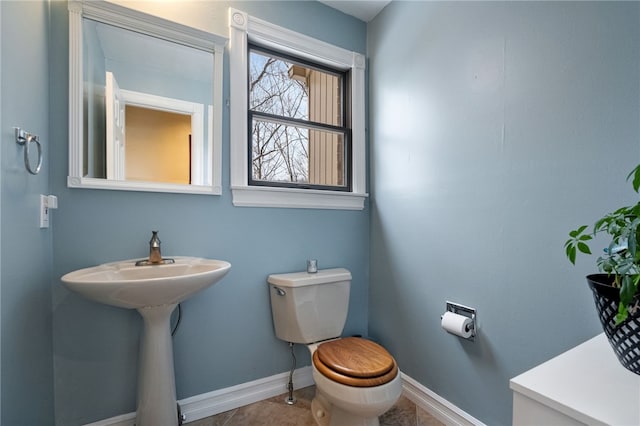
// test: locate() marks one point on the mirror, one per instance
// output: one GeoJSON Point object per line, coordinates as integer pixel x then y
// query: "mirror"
{"type": "Point", "coordinates": [145, 102]}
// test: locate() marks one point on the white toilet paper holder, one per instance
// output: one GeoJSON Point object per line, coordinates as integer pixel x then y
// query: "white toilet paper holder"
{"type": "Point", "coordinates": [459, 309]}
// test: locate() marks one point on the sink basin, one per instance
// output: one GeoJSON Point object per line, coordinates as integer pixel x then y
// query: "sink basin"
{"type": "Point", "coordinates": [154, 291]}
{"type": "Point", "coordinates": [125, 285]}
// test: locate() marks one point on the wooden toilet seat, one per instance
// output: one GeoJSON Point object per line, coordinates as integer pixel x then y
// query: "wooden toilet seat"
{"type": "Point", "coordinates": [355, 361]}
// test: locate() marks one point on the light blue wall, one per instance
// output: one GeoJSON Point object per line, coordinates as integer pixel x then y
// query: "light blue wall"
{"type": "Point", "coordinates": [25, 293]}
{"type": "Point", "coordinates": [495, 129]}
{"type": "Point", "coordinates": [226, 335]}
{"type": "Point", "coordinates": [1, 126]}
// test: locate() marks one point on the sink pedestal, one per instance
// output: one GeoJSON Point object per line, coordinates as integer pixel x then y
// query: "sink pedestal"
{"type": "Point", "coordinates": [156, 380]}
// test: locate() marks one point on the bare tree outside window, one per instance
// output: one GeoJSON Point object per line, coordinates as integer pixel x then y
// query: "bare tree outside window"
{"type": "Point", "coordinates": [296, 123]}
{"type": "Point", "coordinates": [280, 151]}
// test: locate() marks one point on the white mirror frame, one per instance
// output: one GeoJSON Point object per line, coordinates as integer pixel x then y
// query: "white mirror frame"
{"type": "Point", "coordinates": [133, 20]}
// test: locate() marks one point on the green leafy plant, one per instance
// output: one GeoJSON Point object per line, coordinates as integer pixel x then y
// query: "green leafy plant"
{"type": "Point", "coordinates": [622, 257]}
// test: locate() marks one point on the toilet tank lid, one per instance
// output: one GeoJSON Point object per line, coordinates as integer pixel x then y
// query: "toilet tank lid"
{"type": "Point", "coordinates": [299, 279]}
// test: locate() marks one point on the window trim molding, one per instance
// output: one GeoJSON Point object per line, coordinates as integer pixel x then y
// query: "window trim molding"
{"type": "Point", "coordinates": [244, 28]}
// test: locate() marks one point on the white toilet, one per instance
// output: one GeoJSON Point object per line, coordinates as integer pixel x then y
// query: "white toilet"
{"type": "Point", "coordinates": [356, 379]}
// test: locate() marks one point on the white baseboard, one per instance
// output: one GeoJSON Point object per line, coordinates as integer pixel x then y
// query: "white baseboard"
{"type": "Point", "coordinates": [434, 404]}
{"type": "Point", "coordinates": [211, 403]}
{"type": "Point", "coordinates": [208, 404]}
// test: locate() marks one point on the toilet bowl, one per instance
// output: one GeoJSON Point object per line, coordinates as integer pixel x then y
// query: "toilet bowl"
{"type": "Point", "coordinates": [356, 381]}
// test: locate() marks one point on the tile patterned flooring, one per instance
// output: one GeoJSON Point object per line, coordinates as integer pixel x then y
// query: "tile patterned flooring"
{"type": "Point", "coordinates": [275, 412]}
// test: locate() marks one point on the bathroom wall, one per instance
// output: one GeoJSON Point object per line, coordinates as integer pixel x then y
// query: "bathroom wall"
{"type": "Point", "coordinates": [26, 365]}
{"type": "Point", "coordinates": [1, 125]}
{"type": "Point", "coordinates": [496, 127]}
{"type": "Point", "coordinates": [226, 335]}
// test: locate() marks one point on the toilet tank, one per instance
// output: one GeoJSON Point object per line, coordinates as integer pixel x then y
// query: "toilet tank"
{"type": "Point", "coordinates": [309, 307]}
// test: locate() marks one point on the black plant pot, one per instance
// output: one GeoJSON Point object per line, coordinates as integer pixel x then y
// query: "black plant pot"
{"type": "Point", "coordinates": [624, 337]}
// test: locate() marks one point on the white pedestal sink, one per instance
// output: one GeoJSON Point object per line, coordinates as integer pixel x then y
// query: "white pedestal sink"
{"type": "Point", "coordinates": [154, 291]}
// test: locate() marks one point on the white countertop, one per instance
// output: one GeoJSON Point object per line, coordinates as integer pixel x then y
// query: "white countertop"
{"type": "Point", "coordinates": [587, 383]}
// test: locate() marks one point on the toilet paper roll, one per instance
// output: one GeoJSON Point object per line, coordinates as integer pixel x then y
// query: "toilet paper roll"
{"type": "Point", "coordinates": [457, 324]}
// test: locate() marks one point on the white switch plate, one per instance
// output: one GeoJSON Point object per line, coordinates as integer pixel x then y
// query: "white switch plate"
{"type": "Point", "coordinates": [44, 211]}
{"type": "Point", "coordinates": [47, 202]}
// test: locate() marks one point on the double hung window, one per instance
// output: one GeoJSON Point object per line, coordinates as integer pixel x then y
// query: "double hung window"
{"type": "Point", "coordinates": [297, 118]}
{"type": "Point", "coordinates": [297, 123]}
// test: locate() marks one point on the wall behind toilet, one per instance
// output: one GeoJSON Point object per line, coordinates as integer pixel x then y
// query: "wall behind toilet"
{"type": "Point", "coordinates": [226, 335]}
{"type": "Point", "coordinates": [496, 127]}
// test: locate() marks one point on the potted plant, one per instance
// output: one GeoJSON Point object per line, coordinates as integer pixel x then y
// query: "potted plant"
{"type": "Point", "coordinates": [615, 288]}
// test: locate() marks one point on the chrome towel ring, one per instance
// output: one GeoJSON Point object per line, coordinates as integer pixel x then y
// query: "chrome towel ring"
{"type": "Point", "coordinates": [26, 139]}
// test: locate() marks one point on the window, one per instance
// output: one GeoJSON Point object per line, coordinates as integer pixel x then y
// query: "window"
{"type": "Point", "coordinates": [297, 123]}
{"type": "Point", "coordinates": [297, 119]}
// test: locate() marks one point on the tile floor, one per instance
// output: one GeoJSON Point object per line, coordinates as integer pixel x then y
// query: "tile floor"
{"type": "Point", "coordinates": [275, 412]}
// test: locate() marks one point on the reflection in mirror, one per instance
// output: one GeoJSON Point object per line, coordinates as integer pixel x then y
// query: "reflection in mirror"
{"type": "Point", "coordinates": [159, 146]}
{"type": "Point", "coordinates": [147, 101]}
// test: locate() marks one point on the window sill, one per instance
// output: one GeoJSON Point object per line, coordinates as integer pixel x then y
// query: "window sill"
{"type": "Point", "coordinates": [130, 185]}
{"type": "Point", "coordinates": [247, 196]}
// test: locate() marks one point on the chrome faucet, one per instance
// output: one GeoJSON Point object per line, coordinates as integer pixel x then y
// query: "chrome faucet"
{"type": "Point", "coordinates": [155, 255]}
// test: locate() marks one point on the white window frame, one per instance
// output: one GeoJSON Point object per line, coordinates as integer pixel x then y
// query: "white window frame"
{"type": "Point", "coordinates": [244, 28]}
